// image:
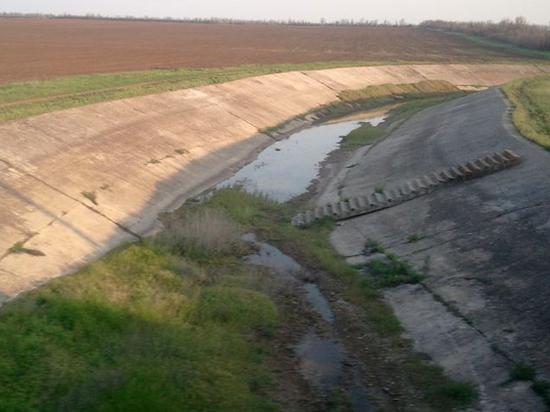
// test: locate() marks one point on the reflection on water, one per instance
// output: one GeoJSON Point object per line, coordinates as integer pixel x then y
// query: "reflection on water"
{"type": "Point", "coordinates": [286, 168]}
{"type": "Point", "coordinates": [271, 257]}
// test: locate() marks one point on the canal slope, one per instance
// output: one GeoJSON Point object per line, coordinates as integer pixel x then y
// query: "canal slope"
{"type": "Point", "coordinates": [76, 183]}
{"type": "Point", "coordinates": [481, 245]}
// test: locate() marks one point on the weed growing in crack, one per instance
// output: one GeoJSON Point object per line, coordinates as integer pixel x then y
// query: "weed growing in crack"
{"type": "Point", "coordinates": [374, 247]}
{"type": "Point", "coordinates": [91, 196]}
{"type": "Point", "coordinates": [394, 273]}
{"type": "Point", "coordinates": [414, 238]}
{"type": "Point", "coordinates": [523, 371]}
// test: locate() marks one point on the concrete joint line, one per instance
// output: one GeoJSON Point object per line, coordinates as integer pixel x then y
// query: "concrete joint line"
{"type": "Point", "coordinates": [370, 203]}
{"type": "Point", "coordinates": [414, 69]}
{"type": "Point", "coordinates": [244, 120]}
{"type": "Point", "coordinates": [321, 82]}
{"type": "Point", "coordinates": [122, 227]}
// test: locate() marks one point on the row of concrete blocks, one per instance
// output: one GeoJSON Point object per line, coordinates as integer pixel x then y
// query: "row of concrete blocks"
{"type": "Point", "coordinates": [412, 189]}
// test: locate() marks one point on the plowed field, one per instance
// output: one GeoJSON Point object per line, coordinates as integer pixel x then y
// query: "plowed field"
{"type": "Point", "coordinates": [45, 48]}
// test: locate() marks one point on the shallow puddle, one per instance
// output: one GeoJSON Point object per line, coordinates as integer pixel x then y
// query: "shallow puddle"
{"type": "Point", "coordinates": [321, 359]}
{"type": "Point", "coordinates": [320, 362]}
{"type": "Point", "coordinates": [271, 257]}
{"type": "Point", "coordinates": [286, 168]}
{"type": "Point", "coordinates": [319, 302]}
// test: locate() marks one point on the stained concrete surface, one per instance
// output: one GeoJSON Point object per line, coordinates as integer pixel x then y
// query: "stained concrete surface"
{"type": "Point", "coordinates": [483, 245]}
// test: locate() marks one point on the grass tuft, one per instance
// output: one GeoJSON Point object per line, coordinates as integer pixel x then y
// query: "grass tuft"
{"type": "Point", "coordinates": [17, 248]}
{"type": "Point", "coordinates": [394, 273]}
{"type": "Point", "coordinates": [523, 372]}
{"type": "Point", "coordinates": [91, 196]}
{"type": "Point", "coordinates": [373, 246]}
{"type": "Point", "coordinates": [413, 238]}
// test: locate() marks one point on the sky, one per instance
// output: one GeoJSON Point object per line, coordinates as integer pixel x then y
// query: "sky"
{"type": "Point", "coordinates": [413, 11]}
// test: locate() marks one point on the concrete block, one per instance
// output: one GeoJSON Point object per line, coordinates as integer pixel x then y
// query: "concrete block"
{"type": "Point", "coordinates": [344, 208]}
{"type": "Point", "coordinates": [467, 173]}
{"type": "Point", "coordinates": [501, 159]}
{"type": "Point", "coordinates": [440, 177]}
{"type": "Point", "coordinates": [457, 173]}
{"type": "Point", "coordinates": [319, 213]}
{"type": "Point", "coordinates": [336, 211]}
{"type": "Point", "coordinates": [514, 157]}
{"type": "Point", "coordinates": [353, 205]}
{"type": "Point", "coordinates": [363, 202]}
{"type": "Point", "coordinates": [381, 199]}
{"type": "Point", "coordinates": [373, 203]}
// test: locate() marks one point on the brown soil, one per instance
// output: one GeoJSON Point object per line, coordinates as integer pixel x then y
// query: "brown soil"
{"type": "Point", "coordinates": [43, 48]}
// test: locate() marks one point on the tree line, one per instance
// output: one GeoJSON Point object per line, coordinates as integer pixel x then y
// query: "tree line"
{"type": "Point", "coordinates": [516, 31]}
{"type": "Point", "coordinates": [216, 20]}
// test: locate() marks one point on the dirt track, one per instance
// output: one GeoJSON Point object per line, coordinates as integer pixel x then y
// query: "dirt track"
{"type": "Point", "coordinates": [41, 48]}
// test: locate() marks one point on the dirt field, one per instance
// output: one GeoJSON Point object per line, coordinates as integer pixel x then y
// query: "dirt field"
{"type": "Point", "coordinates": [41, 48]}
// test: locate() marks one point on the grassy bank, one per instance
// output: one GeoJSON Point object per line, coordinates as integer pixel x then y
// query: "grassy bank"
{"type": "Point", "coordinates": [173, 324]}
{"type": "Point", "coordinates": [19, 100]}
{"type": "Point", "coordinates": [531, 98]}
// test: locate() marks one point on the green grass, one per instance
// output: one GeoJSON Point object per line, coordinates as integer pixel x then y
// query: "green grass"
{"type": "Point", "coordinates": [413, 238]}
{"type": "Point", "coordinates": [523, 372]}
{"type": "Point", "coordinates": [140, 330]}
{"type": "Point", "coordinates": [25, 99]}
{"type": "Point", "coordinates": [393, 273]}
{"type": "Point", "coordinates": [531, 98]}
{"type": "Point", "coordinates": [374, 247]}
{"type": "Point", "coordinates": [18, 247]}
{"type": "Point", "coordinates": [91, 196]}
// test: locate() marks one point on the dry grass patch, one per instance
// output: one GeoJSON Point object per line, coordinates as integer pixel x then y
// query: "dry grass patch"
{"type": "Point", "coordinates": [203, 233]}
